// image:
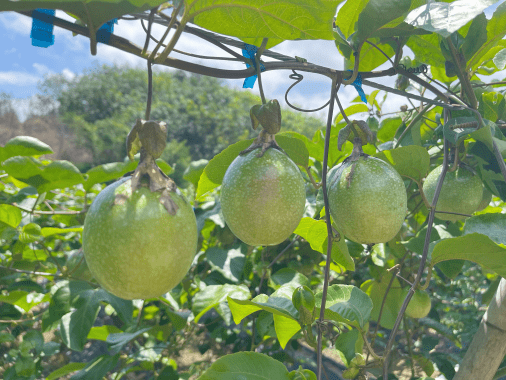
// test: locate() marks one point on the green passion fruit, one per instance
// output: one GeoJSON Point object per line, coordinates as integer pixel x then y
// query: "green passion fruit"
{"type": "Point", "coordinates": [367, 200]}
{"type": "Point", "coordinates": [462, 192]}
{"type": "Point", "coordinates": [485, 199]}
{"type": "Point", "coordinates": [419, 305]}
{"type": "Point", "coordinates": [263, 198]}
{"type": "Point", "coordinates": [133, 246]}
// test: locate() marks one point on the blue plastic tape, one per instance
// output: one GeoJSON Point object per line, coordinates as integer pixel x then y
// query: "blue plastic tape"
{"type": "Point", "coordinates": [358, 86]}
{"type": "Point", "coordinates": [105, 31]}
{"type": "Point", "coordinates": [249, 51]}
{"type": "Point", "coordinates": [42, 27]}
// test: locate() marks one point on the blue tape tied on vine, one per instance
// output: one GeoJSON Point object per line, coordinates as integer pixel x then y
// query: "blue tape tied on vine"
{"type": "Point", "coordinates": [249, 51]}
{"type": "Point", "coordinates": [42, 27]}
{"type": "Point", "coordinates": [105, 31]}
{"type": "Point", "coordinates": [358, 86]}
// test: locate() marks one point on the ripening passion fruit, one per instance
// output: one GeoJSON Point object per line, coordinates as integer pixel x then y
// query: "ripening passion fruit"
{"type": "Point", "coordinates": [462, 192]}
{"type": "Point", "coordinates": [419, 305]}
{"type": "Point", "coordinates": [263, 198]}
{"type": "Point", "coordinates": [367, 200]}
{"type": "Point", "coordinates": [133, 246]}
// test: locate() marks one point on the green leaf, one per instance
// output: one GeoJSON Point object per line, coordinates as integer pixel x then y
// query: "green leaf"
{"type": "Point", "coordinates": [314, 150]}
{"type": "Point", "coordinates": [76, 325]}
{"type": "Point", "coordinates": [294, 148]}
{"type": "Point", "coordinates": [25, 366]}
{"type": "Point", "coordinates": [425, 363]}
{"type": "Point", "coordinates": [49, 231]}
{"type": "Point", "coordinates": [500, 59]}
{"type": "Point", "coordinates": [473, 247]}
{"type": "Point", "coordinates": [278, 21]}
{"type": "Point", "coordinates": [388, 127]}
{"type": "Point", "coordinates": [215, 170]}
{"type": "Point", "coordinates": [315, 232]}
{"type": "Point", "coordinates": [30, 233]}
{"type": "Point", "coordinates": [289, 276]}
{"type": "Point", "coordinates": [118, 341]}
{"type": "Point", "coordinates": [446, 18]}
{"type": "Point", "coordinates": [246, 366]}
{"type": "Point", "coordinates": [345, 344]}
{"type": "Point", "coordinates": [34, 339]}
{"type": "Point", "coordinates": [57, 174]}
{"type": "Point", "coordinates": [492, 105]}
{"type": "Point", "coordinates": [491, 225]}
{"type": "Point", "coordinates": [496, 30]}
{"type": "Point", "coordinates": [484, 134]}
{"type": "Point", "coordinates": [427, 50]}
{"type": "Point", "coordinates": [65, 370]}
{"type": "Point", "coordinates": [346, 303]}
{"type": "Point", "coordinates": [102, 332]}
{"type": "Point", "coordinates": [215, 296]}
{"type": "Point", "coordinates": [24, 146]}
{"type": "Point", "coordinates": [279, 304]}
{"type": "Point", "coordinates": [98, 368]}
{"type": "Point", "coordinates": [451, 268]}
{"type": "Point", "coordinates": [442, 329]}
{"type": "Point", "coordinates": [376, 291]}
{"type": "Point", "coordinates": [351, 110]}
{"type": "Point", "coordinates": [410, 161]}
{"type": "Point", "coordinates": [229, 263]}
{"type": "Point", "coordinates": [476, 36]}
{"type": "Point", "coordinates": [348, 15]}
{"type": "Point", "coordinates": [194, 171]}
{"type": "Point", "coordinates": [376, 14]}
{"type": "Point", "coordinates": [108, 172]}
{"type": "Point", "coordinates": [10, 215]}
{"type": "Point", "coordinates": [24, 300]}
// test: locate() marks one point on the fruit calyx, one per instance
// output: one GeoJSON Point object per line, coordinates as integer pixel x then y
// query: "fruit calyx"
{"type": "Point", "coordinates": [149, 138]}
{"type": "Point", "coordinates": [268, 116]}
{"type": "Point", "coordinates": [357, 129]}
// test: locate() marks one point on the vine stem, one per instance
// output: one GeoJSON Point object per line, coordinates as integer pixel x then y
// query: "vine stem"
{"type": "Point", "coordinates": [173, 19]}
{"type": "Point", "coordinates": [259, 71]}
{"type": "Point", "coordinates": [150, 91]}
{"type": "Point", "coordinates": [423, 260]}
{"type": "Point", "coordinates": [333, 95]}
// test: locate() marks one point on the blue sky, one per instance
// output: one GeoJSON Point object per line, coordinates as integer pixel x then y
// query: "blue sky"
{"type": "Point", "coordinates": [24, 65]}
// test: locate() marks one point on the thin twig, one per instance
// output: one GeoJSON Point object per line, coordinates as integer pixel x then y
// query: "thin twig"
{"type": "Point", "coordinates": [47, 212]}
{"type": "Point", "coordinates": [311, 178]}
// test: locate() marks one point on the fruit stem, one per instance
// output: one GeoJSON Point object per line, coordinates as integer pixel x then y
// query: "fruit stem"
{"type": "Point", "coordinates": [265, 141]}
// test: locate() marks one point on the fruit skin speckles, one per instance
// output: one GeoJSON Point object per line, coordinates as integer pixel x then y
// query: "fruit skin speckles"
{"type": "Point", "coordinates": [135, 249]}
{"type": "Point", "coordinates": [367, 200]}
{"type": "Point", "coordinates": [462, 192]}
{"type": "Point", "coordinates": [263, 198]}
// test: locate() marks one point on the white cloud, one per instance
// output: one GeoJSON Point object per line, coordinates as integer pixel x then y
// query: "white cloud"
{"type": "Point", "coordinates": [42, 69]}
{"type": "Point", "coordinates": [18, 78]}
{"type": "Point", "coordinates": [69, 75]}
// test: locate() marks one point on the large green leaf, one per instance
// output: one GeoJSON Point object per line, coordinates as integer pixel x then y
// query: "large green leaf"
{"type": "Point", "coordinates": [427, 50]}
{"type": "Point", "coordinates": [411, 161]}
{"type": "Point", "coordinates": [388, 127]}
{"type": "Point", "coordinates": [118, 340]}
{"type": "Point", "coordinates": [55, 175]}
{"type": "Point", "coordinates": [446, 18]}
{"type": "Point", "coordinates": [215, 170]}
{"type": "Point", "coordinates": [376, 291]}
{"type": "Point", "coordinates": [279, 304]}
{"type": "Point", "coordinates": [279, 20]}
{"type": "Point", "coordinates": [294, 148]}
{"type": "Point", "coordinates": [108, 172]}
{"type": "Point", "coordinates": [246, 366]}
{"type": "Point", "coordinates": [75, 325]}
{"type": "Point", "coordinates": [98, 368]}
{"type": "Point", "coordinates": [315, 232]}
{"type": "Point", "coordinates": [348, 16]}
{"type": "Point", "coordinates": [346, 345]}
{"type": "Point", "coordinates": [230, 263]}
{"type": "Point", "coordinates": [215, 296]}
{"type": "Point", "coordinates": [93, 13]}
{"type": "Point", "coordinates": [194, 171]}
{"type": "Point", "coordinates": [483, 134]}
{"type": "Point", "coordinates": [24, 146]}
{"type": "Point", "coordinates": [65, 370]}
{"type": "Point", "coordinates": [376, 14]}
{"type": "Point", "coordinates": [23, 299]}
{"type": "Point", "coordinates": [10, 215]}
{"type": "Point", "coordinates": [346, 303]}
{"type": "Point", "coordinates": [474, 247]}
{"type": "Point", "coordinates": [496, 30]}
{"type": "Point", "coordinates": [476, 36]}
{"type": "Point", "coordinates": [314, 150]}
{"type": "Point", "coordinates": [491, 225]}
{"type": "Point", "coordinates": [492, 105]}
